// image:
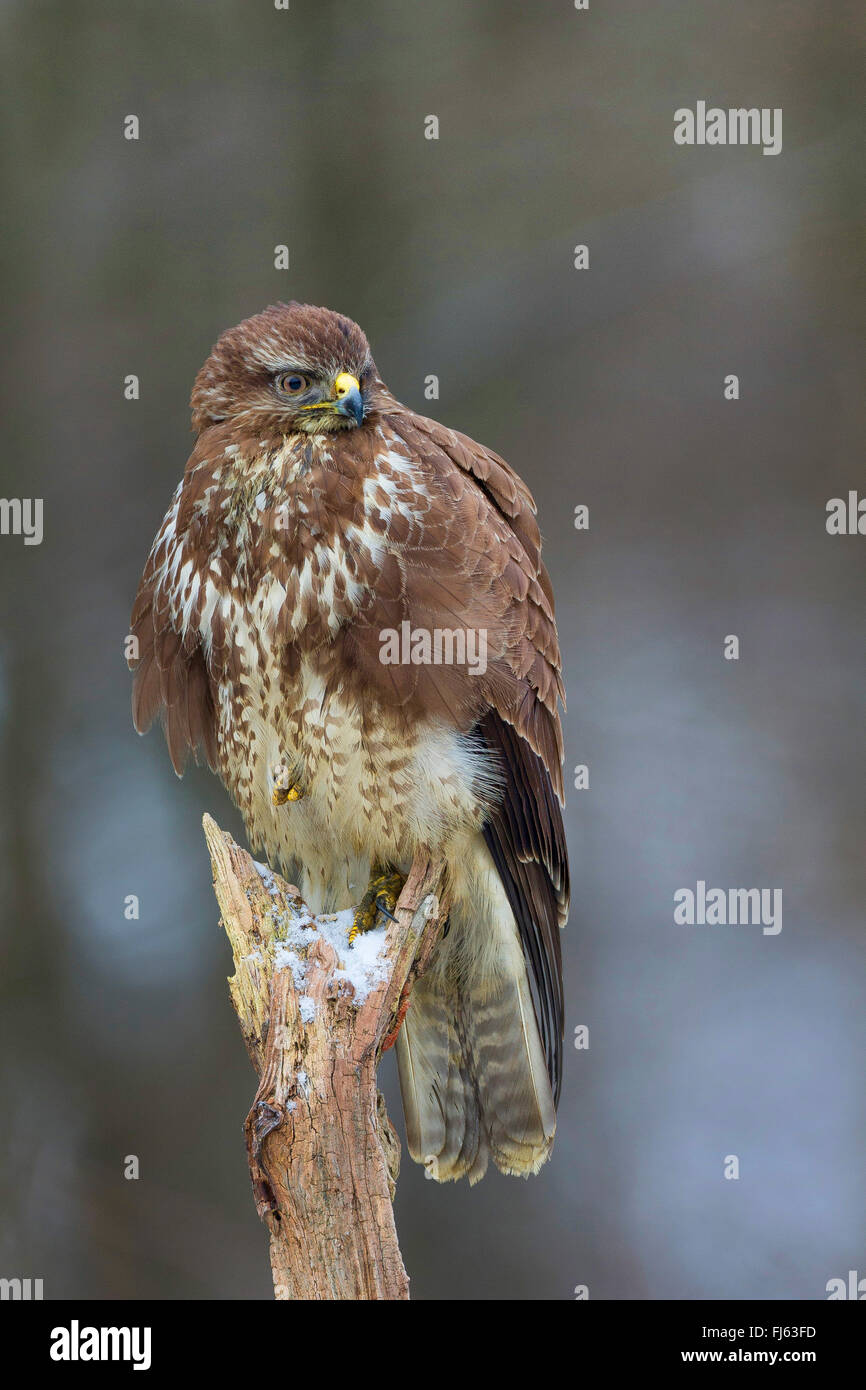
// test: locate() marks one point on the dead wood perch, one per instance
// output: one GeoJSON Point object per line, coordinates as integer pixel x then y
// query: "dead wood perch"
{"type": "Point", "coordinates": [314, 1015]}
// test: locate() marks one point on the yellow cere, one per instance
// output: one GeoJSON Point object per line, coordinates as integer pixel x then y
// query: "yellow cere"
{"type": "Point", "coordinates": [346, 382]}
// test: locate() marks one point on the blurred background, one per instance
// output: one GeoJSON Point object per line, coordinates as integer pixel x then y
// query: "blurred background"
{"type": "Point", "coordinates": [603, 387]}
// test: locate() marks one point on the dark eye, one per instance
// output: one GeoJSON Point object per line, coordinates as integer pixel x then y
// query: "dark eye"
{"type": "Point", "coordinates": [292, 384]}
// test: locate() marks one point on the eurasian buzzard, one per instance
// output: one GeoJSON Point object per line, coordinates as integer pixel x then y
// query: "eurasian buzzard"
{"type": "Point", "coordinates": [345, 607]}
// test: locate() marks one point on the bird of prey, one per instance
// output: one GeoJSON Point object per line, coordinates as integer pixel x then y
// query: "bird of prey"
{"type": "Point", "coordinates": [346, 609]}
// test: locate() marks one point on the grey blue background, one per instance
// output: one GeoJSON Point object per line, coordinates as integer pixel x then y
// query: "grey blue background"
{"type": "Point", "coordinates": [602, 387]}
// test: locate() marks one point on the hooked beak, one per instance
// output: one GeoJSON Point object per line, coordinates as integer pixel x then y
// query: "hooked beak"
{"type": "Point", "coordinates": [349, 400]}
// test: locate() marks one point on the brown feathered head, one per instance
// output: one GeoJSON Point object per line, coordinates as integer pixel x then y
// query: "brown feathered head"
{"type": "Point", "coordinates": [293, 367]}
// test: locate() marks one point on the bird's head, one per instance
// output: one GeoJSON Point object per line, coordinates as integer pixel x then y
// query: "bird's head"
{"type": "Point", "coordinates": [291, 368]}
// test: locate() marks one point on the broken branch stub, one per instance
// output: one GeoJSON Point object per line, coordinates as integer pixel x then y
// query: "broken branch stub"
{"type": "Point", "coordinates": [315, 1014]}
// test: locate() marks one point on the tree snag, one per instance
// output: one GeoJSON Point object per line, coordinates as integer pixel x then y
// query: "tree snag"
{"type": "Point", "coordinates": [316, 1015]}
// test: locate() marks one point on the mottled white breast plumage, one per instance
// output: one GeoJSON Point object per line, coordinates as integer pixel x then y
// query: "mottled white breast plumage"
{"type": "Point", "coordinates": [367, 783]}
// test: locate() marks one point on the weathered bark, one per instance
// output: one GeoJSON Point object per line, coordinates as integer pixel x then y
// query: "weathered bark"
{"type": "Point", "coordinates": [323, 1155]}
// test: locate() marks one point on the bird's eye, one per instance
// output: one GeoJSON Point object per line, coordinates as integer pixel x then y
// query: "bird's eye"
{"type": "Point", "coordinates": [292, 384]}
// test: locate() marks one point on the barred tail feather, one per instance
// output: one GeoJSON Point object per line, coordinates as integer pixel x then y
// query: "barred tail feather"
{"type": "Point", "coordinates": [472, 1069]}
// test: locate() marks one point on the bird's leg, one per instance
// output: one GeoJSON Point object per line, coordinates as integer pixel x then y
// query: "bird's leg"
{"type": "Point", "coordinates": [286, 785]}
{"type": "Point", "coordinates": [383, 890]}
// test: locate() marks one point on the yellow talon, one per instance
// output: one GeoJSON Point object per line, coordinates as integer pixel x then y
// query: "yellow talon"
{"type": "Point", "coordinates": [284, 788]}
{"type": "Point", "coordinates": [383, 890]}
{"type": "Point", "coordinates": [281, 795]}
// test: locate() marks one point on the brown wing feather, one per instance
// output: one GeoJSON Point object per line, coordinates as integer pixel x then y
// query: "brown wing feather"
{"type": "Point", "coordinates": [171, 675]}
{"type": "Point", "coordinates": [526, 683]}
{"type": "Point", "coordinates": [522, 728]}
{"type": "Point", "coordinates": [526, 838]}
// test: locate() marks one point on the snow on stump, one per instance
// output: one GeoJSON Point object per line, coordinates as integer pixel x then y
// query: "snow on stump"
{"type": "Point", "coordinates": [316, 1015]}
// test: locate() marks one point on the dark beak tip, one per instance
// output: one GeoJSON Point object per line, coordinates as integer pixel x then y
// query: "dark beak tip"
{"type": "Point", "coordinates": [352, 404]}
